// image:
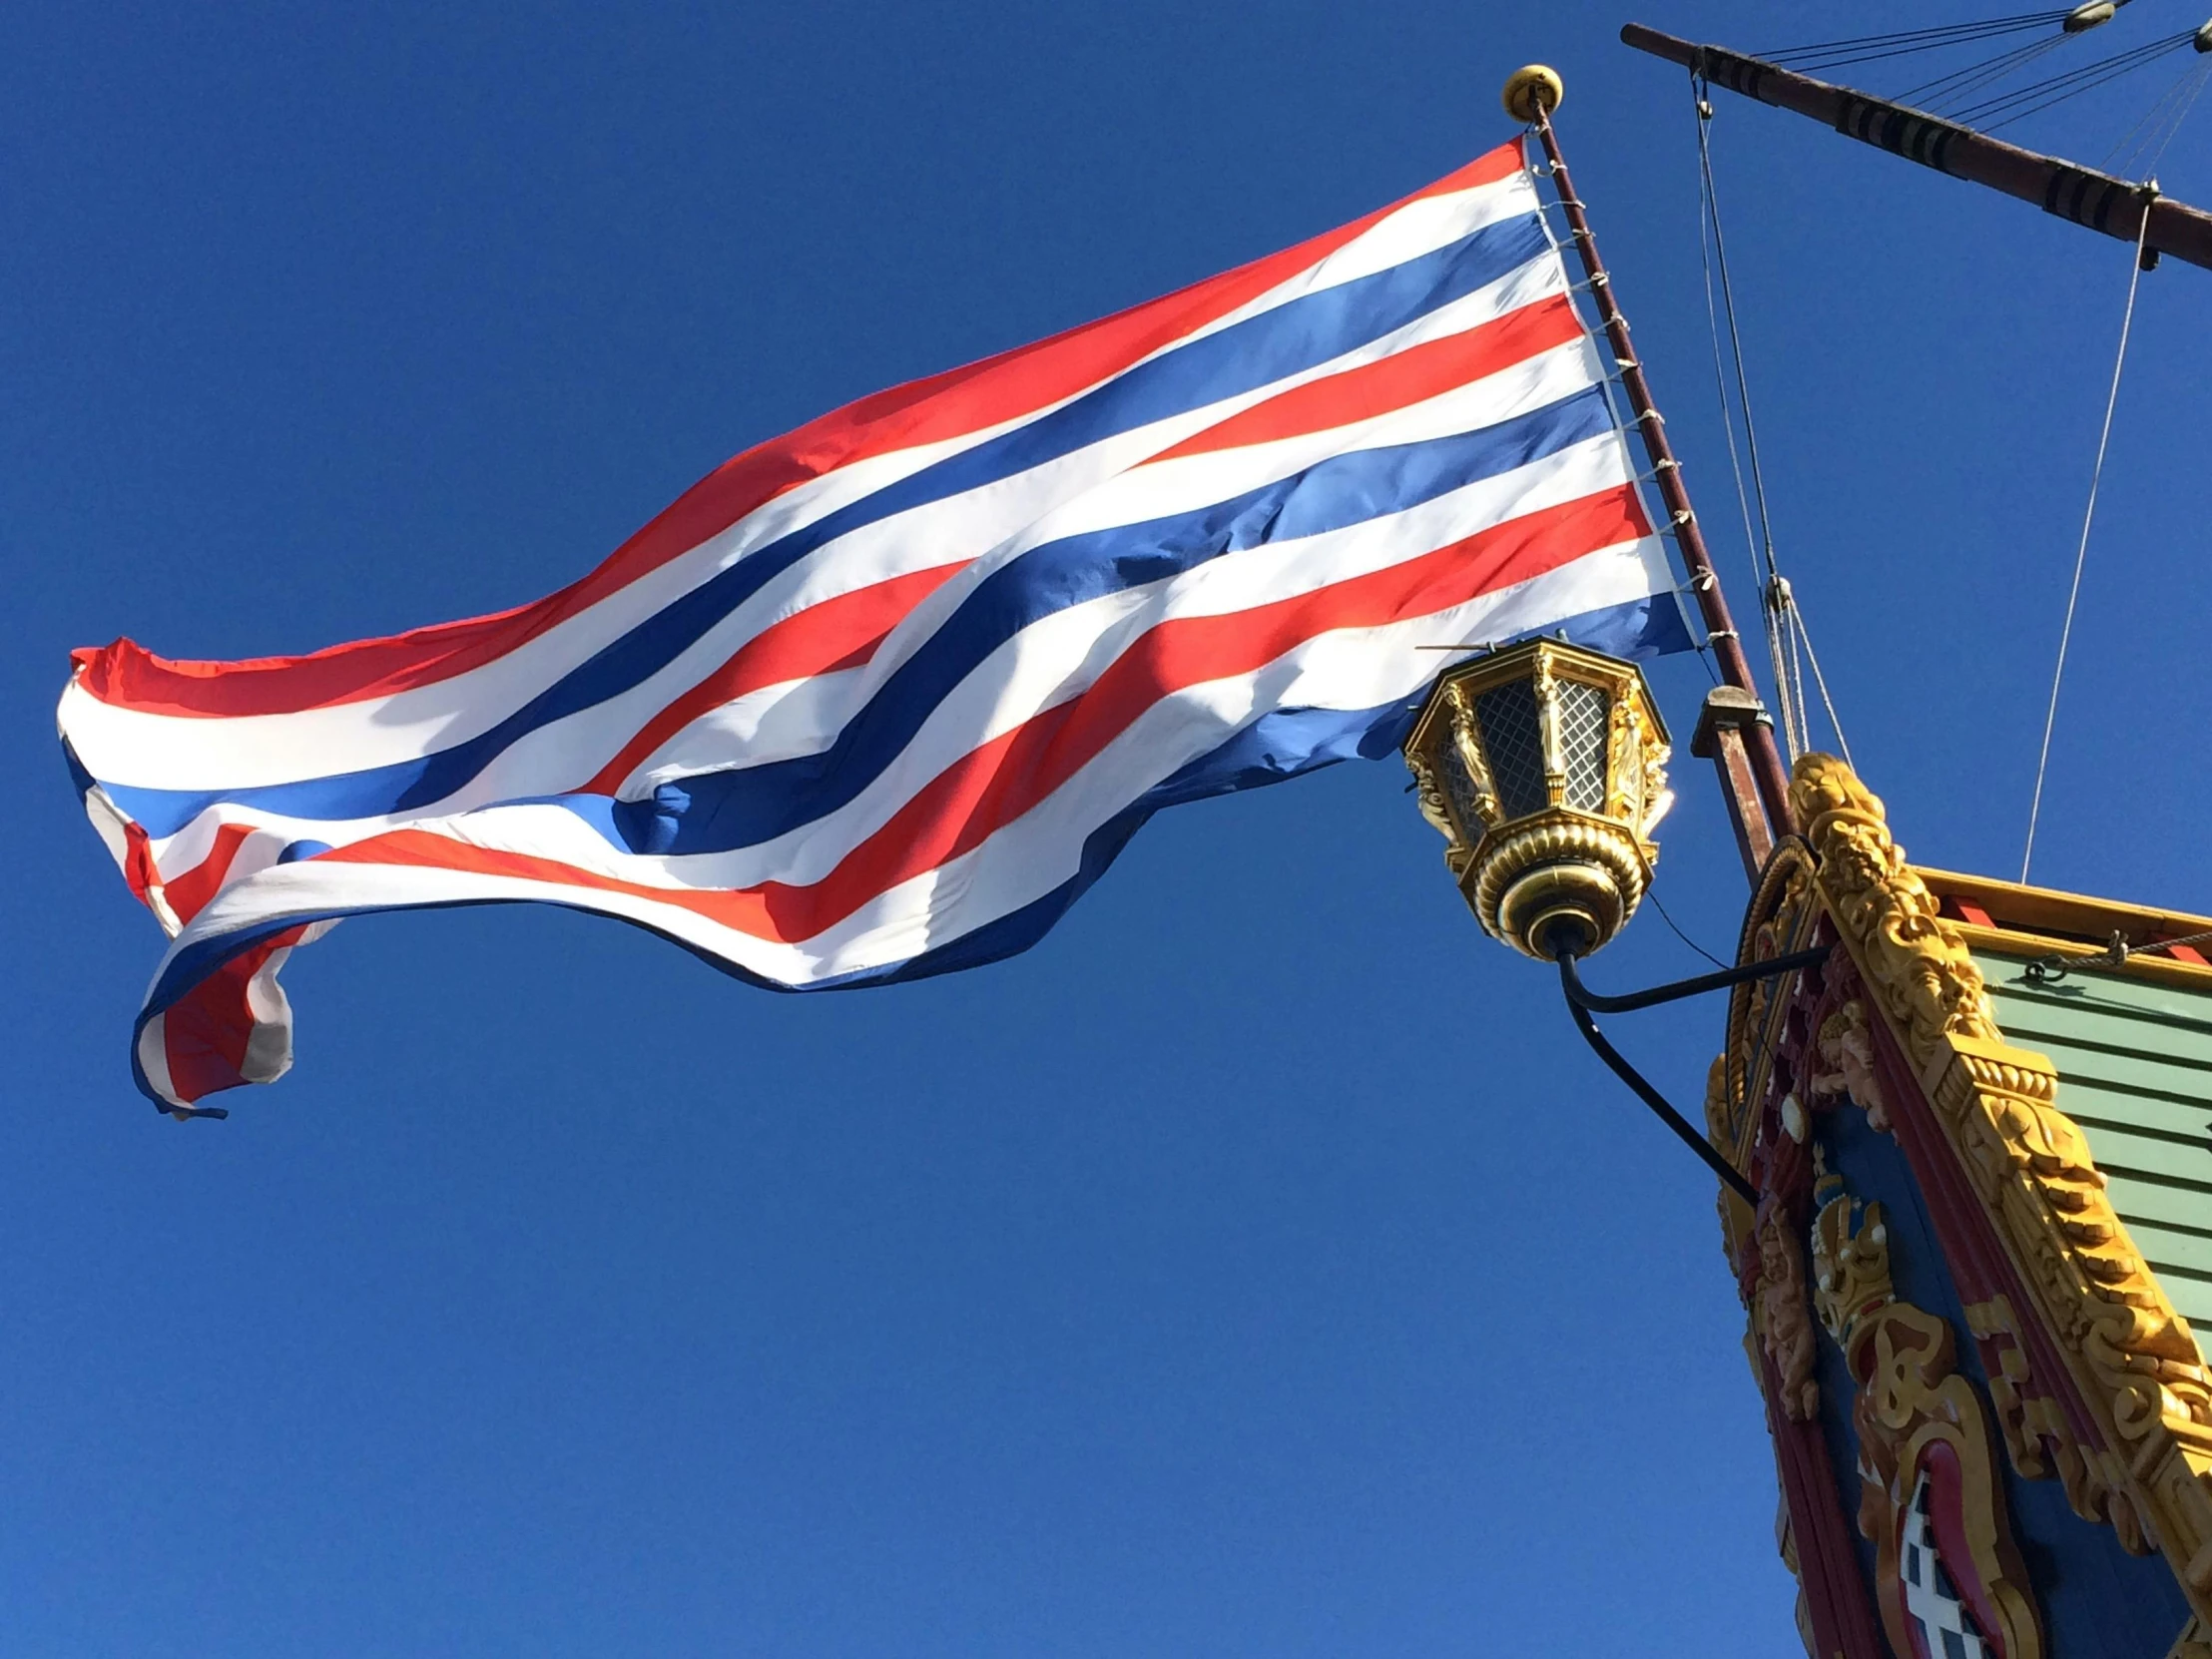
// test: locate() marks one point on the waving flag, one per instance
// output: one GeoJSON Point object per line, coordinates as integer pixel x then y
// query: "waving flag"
{"type": "Point", "coordinates": [880, 698]}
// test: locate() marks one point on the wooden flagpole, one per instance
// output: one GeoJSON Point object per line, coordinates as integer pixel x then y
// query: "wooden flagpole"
{"type": "Point", "coordinates": [1735, 731]}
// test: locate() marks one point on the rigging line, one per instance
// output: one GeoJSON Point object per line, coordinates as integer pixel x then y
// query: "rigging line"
{"type": "Point", "coordinates": [1702, 108]}
{"type": "Point", "coordinates": [1811, 66]}
{"type": "Point", "coordinates": [1920, 40]}
{"type": "Point", "coordinates": [2061, 97]}
{"type": "Point", "coordinates": [2055, 89]}
{"type": "Point", "coordinates": [1951, 87]}
{"type": "Point", "coordinates": [2169, 126]}
{"type": "Point", "coordinates": [1960, 82]}
{"type": "Point", "coordinates": [2168, 944]}
{"type": "Point", "coordinates": [2173, 127]}
{"type": "Point", "coordinates": [2020, 20]}
{"type": "Point", "coordinates": [1790, 696]}
{"type": "Point", "coordinates": [2058, 98]}
{"type": "Point", "coordinates": [2084, 74]}
{"type": "Point", "coordinates": [2074, 81]}
{"type": "Point", "coordinates": [2164, 117]}
{"type": "Point", "coordinates": [1653, 894]}
{"type": "Point", "coordinates": [2031, 49]}
{"type": "Point", "coordinates": [1797, 728]}
{"type": "Point", "coordinates": [1796, 739]}
{"type": "Point", "coordinates": [1792, 745]}
{"type": "Point", "coordinates": [1705, 655]}
{"type": "Point", "coordinates": [2016, 19]}
{"type": "Point", "coordinates": [2145, 124]}
{"type": "Point", "coordinates": [1736, 347]}
{"type": "Point", "coordinates": [1797, 684]}
{"type": "Point", "coordinates": [2088, 517]}
{"type": "Point", "coordinates": [1820, 680]}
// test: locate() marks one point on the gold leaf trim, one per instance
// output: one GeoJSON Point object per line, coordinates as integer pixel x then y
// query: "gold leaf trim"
{"type": "Point", "coordinates": [2130, 1354]}
{"type": "Point", "coordinates": [1910, 1399]}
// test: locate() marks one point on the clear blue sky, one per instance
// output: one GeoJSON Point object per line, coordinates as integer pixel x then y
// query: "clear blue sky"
{"type": "Point", "coordinates": [1258, 1266]}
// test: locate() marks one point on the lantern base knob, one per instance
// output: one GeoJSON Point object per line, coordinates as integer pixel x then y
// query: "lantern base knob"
{"type": "Point", "coordinates": [1561, 869]}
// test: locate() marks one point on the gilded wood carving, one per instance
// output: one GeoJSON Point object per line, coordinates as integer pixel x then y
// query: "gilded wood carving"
{"type": "Point", "coordinates": [1783, 1318]}
{"type": "Point", "coordinates": [1917, 1420]}
{"type": "Point", "coordinates": [1846, 1051]}
{"type": "Point", "coordinates": [1776, 924]}
{"type": "Point", "coordinates": [2039, 1439]}
{"type": "Point", "coordinates": [2132, 1358]}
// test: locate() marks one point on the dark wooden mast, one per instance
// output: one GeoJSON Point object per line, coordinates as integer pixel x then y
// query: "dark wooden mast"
{"type": "Point", "coordinates": [2097, 200]}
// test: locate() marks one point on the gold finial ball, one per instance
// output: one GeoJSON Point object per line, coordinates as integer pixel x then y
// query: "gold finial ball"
{"type": "Point", "coordinates": [1531, 89]}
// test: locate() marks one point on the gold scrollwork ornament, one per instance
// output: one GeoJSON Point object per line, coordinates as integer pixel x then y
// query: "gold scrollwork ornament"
{"type": "Point", "coordinates": [2134, 1358]}
{"type": "Point", "coordinates": [1915, 1416]}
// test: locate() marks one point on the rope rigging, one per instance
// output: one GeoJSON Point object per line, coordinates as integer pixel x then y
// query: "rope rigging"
{"type": "Point", "coordinates": [2143, 145]}
{"type": "Point", "coordinates": [1984, 96]}
{"type": "Point", "coordinates": [1970, 95]}
{"type": "Point", "coordinates": [2081, 552]}
{"type": "Point", "coordinates": [2003, 109]}
{"type": "Point", "coordinates": [1834, 54]}
{"type": "Point", "coordinates": [1946, 89]}
{"type": "Point", "coordinates": [1789, 641]}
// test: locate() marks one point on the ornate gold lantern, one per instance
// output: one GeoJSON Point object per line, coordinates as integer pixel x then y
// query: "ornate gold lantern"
{"type": "Point", "coordinates": [1544, 765]}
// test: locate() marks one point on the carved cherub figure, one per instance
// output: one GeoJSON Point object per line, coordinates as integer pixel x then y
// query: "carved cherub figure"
{"type": "Point", "coordinates": [1786, 1321]}
{"type": "Point", "coordinates": [1845, 1050]}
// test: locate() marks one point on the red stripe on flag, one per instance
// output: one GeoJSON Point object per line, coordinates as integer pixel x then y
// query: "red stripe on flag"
{"type": "Point", "coordinates": [1395, 382]}
{"type": "Point", "coordinates": [961, 400]}
{"type": "Point", "coordinates": [838, 633]}
{"type": "Point", "coordinates": [999, 782]}
{"type": "Point", "coordinates": [188, 892]}
{"type": "Point", "coordinates": [205, 1032]}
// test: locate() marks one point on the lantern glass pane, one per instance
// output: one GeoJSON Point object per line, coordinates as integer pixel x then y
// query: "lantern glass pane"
{"type": "Point", "coordinates": [1459, 790]}
{"type": "Point", "coordinates": [1582, 733]}
{"type": "Point", "coordinates": [1514, 747]}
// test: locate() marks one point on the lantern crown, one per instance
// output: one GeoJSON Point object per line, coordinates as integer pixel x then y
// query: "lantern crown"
{"type": "Point", "coordinates": [1544, 767]}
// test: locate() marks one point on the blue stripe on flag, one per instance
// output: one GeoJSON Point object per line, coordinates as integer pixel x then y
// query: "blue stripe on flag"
{"type": "Point", "coordinates": [1283, 744]}
{"type": "Point", "coordinates": [720, 810]}
{"type": "Point", "coordinates": [1280, 745]}
{"type": "Point", "coordinates": [1299, 335]}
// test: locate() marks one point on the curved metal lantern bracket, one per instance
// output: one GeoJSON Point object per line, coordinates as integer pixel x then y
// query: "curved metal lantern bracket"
{"type": "Point", "coordinates": [1583, 1002]}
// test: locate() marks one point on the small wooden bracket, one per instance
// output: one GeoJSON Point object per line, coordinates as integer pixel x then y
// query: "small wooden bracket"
{"type": "Point", "coordinates": [1729, 712]}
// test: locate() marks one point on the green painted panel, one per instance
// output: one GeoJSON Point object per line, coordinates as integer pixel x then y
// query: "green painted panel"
{"type": "Point", "coordinates": [2177, 1204]}
{"type": "Point", "coordinates": [2134, 1065]}
{"type": "Point", "coordinates": [2154, 1116]}
{"type": "Point", "coordinates": [2155, 1076]}
{"type": "Point", "coordinates": [2121, 1151]}
{"type": "Point", "coordinates": [2185, 1268]}
{"type": "Point", "coordinates": [2135, 1071]}
{"type": "Point", "coordinates": [2126, 1013]}
{"type": "Point", "coordinates": [2180, 1250]}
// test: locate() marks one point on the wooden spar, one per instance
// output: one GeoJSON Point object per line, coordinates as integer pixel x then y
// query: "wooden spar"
{"type": "Point", "coordinates": [1750, 739]}
{"type": "Point", "coordinates": [2096, 199]}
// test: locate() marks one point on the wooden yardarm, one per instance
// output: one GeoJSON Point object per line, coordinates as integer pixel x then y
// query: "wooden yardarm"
{"type": "Point", "coordinates": [2086, 197]}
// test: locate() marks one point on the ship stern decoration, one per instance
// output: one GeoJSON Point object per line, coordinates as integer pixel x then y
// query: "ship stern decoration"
{"type": "Point", "coordinates": [1982, 1182]}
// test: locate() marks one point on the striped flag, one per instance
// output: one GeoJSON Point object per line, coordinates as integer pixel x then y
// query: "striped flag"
{"type": "Point", "coordinates": [880, 698]}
